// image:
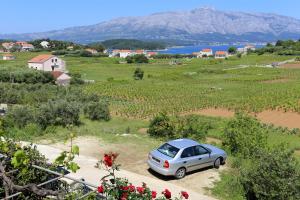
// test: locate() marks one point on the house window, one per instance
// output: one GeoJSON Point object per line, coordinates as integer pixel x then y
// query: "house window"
{"type": "Point", "coordinates": [53, 60]}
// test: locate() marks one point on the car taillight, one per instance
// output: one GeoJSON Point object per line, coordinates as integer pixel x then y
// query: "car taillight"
{"type": "Point", "coordinates": [166, 164]}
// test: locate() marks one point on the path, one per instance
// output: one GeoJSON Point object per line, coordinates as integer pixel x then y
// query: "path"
{"type": "Point", "coordinates": [93, 175]}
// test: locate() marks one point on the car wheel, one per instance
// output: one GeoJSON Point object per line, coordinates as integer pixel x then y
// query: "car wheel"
{"type": "Point", "coordinates": [180, 173]}
{"type": "Point", "coordinates": [217, 163]}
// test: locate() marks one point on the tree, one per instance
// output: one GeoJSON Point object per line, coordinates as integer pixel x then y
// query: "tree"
{"type": "Point", "coordinates": [161, 126]}
{"type": "Point", "coordinates": [192, 127]}
{"type": "Point", "coordinates": [232, 50]}
{"type": "Point", "coordinates": [58, 112]}
{"type": "Point", "coordinates": [274, 175]}
{"type": "Point", "coordinates": [244, 135]}
{"type": "Point", "coordinates": [129, 59]}
{"type": "Point", "coordinates": [97, 111]}
{"type": "Point", "coordinates": [138, 58]}
{"type": "Point", "coordinates": [138, 74]}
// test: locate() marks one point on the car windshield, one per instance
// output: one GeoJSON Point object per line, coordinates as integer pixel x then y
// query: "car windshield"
{"type": "Point", "coordinates": [168, 150]}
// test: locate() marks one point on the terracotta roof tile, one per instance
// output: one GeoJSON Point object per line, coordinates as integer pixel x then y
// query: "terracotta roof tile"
{"type": "Point", "coordinates": [56, 74]}
{"type": "Point", "coordinates": [40, 58]}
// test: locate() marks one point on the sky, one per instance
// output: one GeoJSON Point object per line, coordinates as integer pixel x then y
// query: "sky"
{"type": "Point", "coordinates": [25, 16]}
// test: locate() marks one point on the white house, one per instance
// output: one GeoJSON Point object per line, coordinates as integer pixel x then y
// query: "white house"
{"type": "Point", "coordinates": [92, 51]}
{"type": "Point", "coordinates": [125, 53]}
{"type": "Point", "coordinates": [27, 47]}
{"type": "Point", "coordinates": [221, 54]}
{"type": "Point", "coordinates": [45, 44]}
{"type": "Point", "coordinates": [206, 53]}
{"type": "Point", "coordinates": [8, 57]}
{"type": "Point", "coordinates": [47, 63]}
{"type": "Point", "coordinates": [246, 49]}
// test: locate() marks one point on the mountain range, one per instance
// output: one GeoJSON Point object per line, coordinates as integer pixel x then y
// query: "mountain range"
{"type": "Point", "coordinates": [200, 25]}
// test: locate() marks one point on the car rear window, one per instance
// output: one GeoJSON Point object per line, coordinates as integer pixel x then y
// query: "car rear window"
{"type": "Point", "coordinates": [168, 150]}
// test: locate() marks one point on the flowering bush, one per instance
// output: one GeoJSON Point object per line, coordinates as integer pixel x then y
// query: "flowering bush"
{"type": "Point", "coordinates": [119, 188]}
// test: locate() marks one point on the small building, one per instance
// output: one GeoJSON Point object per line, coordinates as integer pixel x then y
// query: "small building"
{"type": "Point", "coordinates": [45, 44]}
{"type": "Point", "coordinates": [47, 62]}
{"type": "Point", "coordinates": [221, 54]}
{"type": "Point", "coordinates": [92, 51]}
{"type": "Point", "coordinates": [27, 47]}
{"type": "Point", "coordinates": [8, 57]}
{"type": "Point", "coordinates": [3, 109]}
{"type": "Point", "coordinates": [63, 80]}
{"type": "Point", "coordinates": [139, 51]}
{"type": "Point", "coordinates": [150, 54]}
{"type": "Point", "coordinates": [206, 53]}
{"type": "Point", "coordinates": [8, 45]}
{"type": "Point", "coordinates": [125, 53]}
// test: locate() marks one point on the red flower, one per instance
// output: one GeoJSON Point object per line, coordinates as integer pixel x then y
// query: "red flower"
{"type": "Point", "coordinates": [124, 196]}
{"type": "Point", "coordinates": [140, 190]}
{"type": "Point", "coordinates": [153, 194]}
{"type": "Point", "coordinates": [100, 189]}
{"type": "Point", "coordinates": [167, 194]}
{"type": "Point", "coordinates": [124, 188]}
{"type": "Point", "coordinates": [185, 194]}
{"type": "Point", "coordinates": [107, 160]}
{"type": "Point", "coordinates": [131, 188]}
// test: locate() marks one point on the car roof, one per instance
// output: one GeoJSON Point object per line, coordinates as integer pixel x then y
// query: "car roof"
{"type": "Point", "coordinates": [183, 143]}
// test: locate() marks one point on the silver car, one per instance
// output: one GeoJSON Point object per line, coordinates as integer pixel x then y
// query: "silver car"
{"type": "Point", "coordinates": [177, 157]}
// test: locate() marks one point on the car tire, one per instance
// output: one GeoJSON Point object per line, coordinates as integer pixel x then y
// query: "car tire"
{"type": "Point", "coordinates": [217, 163]}
{"type": "Point", "coordinates": [180, 173]}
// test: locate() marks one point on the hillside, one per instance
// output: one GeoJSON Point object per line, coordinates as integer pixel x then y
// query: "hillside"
{"type": "Point", "coordinates": [195, 26]}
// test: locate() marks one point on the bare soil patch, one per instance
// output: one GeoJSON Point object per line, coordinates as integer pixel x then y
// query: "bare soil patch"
{"type": "Point", "coordinates": [212, 112]}
{"type": "Point", "coordinates": [294, 65]}
{"type": "Point", "coordinates": [280, 118]}
{"type": "Point", "coordinates": [143, 130]}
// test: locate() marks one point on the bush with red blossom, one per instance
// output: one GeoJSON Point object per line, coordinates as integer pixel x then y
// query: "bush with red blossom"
{"type": "Point", "coordinates": [113, 187]}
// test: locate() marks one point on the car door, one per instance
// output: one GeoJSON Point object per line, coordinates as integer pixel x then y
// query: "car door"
{"type": "Point", "coordinates": [202, 156]}
{"type": "Point", "coordinates": [188, 159]}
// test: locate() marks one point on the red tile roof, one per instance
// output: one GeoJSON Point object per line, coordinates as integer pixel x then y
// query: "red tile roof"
{"type": "Point", "coordinates": [40, 58]}
{"type": "Point", "coordinates": [56, 74]}
{"type": "Point", "coordinates": [221, 53]}
{"type": "Point", "coordinates": [207, 50]}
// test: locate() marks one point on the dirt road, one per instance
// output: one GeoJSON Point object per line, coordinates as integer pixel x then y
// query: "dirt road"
{"type": "Point", "coordinates": [91, 174]}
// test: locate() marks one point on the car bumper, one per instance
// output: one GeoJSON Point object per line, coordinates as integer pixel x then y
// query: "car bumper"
{"type": "Point", "coordinates": [160, 170]}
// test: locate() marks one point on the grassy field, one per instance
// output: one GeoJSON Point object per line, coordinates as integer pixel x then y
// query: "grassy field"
{"type": "Point", "coordinates": [185, 88]}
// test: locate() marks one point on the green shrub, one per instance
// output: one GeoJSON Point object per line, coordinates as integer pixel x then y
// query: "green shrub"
{"type": "Point", "coordinates": [20, 116]}
{"type": "Point", "coordinates": [244, 135]}
{"type": "Point", "coordinates": [97, 111]}
{"type": "Point", "coordinates": [138, 74]}
{"type": "Point", "coordinates": [274, 175]}
{"type": "Point", "coordinates": [161, 126]}
{"type": "Point", "coordinates": [58, 112]}
{"type": "Point", "coordinates": [192, 127]}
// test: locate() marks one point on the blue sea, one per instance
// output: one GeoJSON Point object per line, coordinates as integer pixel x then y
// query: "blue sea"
{"type": "Point", "coordinates": [191, 49]}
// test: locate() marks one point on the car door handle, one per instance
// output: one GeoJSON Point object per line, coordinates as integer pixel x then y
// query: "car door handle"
{"type": "Point", "coordinates": [200, 158]}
